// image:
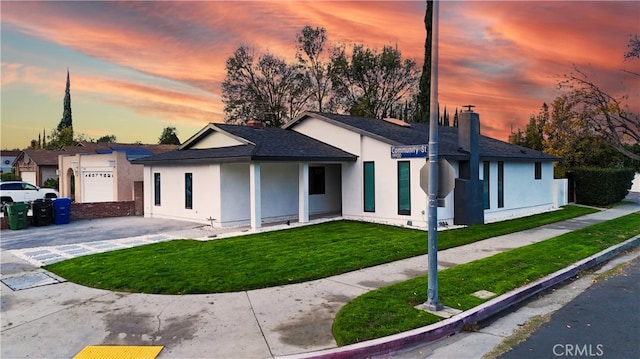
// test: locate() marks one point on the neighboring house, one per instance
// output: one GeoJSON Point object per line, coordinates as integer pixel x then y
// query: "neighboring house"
{"type": "Point", "coordinates": [37, 166]}
{"type": "Point", "coordinates": [102, 172]}
{"type": "Point", "coordinates": [109, 174]}
{"type": "Point", "coordinates": [337, 164]}
{"type": "Point", "coordinates": [6, 160]}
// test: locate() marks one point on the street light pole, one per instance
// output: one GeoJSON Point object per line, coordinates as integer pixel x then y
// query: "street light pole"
{"type": "Point", "coordinates": [432, 286]}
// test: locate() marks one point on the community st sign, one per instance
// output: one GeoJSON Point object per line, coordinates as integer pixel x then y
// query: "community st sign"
{"type": "Point", "coordinates": [411, 151]}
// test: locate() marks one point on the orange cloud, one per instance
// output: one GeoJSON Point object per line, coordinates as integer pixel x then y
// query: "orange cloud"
{"type": "Point", "coordinates": [505, 57]}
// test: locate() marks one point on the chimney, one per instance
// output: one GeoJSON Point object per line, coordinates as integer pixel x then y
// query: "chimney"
{"type": "Point", "coordinates": [468, 195]}
{"type": "Point", "coordinates": [469, 130]}
{"type": "Point", "coordinates": [254, 123]}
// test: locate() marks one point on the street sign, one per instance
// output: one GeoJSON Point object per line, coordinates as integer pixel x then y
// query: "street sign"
{"type": "Point", "coordinates": [446, 178]}
{"type": "Point", "coordinates": [411, 151]}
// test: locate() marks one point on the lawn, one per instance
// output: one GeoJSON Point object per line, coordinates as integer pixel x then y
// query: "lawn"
{"type": "Point", "coordinates": [273, 258]}
{"type": "Point", "coordinates": [390, 310]}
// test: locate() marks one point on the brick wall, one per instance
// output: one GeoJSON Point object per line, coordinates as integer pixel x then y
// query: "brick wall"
{"type": "Point", "coordinates": [102, 210]}
{"type": "Point", "coordinates": [95, 210]}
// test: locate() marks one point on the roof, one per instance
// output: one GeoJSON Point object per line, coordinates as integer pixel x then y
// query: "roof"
{"type": "Point", "coordinates": [133, 151]}
{"type": "Point", "coordinates": [418, 134]}
{"type": "Point", "coordinates": [12, 153]}
{"type": "Point", "coordinates": [259, 144]}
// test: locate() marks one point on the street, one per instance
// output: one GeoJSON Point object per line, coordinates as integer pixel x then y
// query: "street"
{"type": "Point", "coordinates": [602, 322]}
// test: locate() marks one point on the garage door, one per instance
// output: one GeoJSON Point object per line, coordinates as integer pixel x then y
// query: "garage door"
{"type": "Point", "coordinates": [97, 186]}
{"type": "Point", "coordinates": [29, 177]}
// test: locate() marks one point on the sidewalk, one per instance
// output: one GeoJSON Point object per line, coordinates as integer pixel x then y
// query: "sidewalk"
{"type": "Point", "coordinates": [58, 320]}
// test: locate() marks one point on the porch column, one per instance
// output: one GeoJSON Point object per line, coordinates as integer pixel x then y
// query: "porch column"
{"type": "Point", "coordinates": [303, 192]}
{"type": "Point", "coordinates": [256, 195]}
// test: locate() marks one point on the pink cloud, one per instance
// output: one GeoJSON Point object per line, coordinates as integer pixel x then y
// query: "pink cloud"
{"type": "Point", "coordinates": [505, 57]}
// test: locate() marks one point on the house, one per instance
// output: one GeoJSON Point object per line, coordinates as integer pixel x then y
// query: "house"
{"type": "Point", "coordinates": [6, 160]}
{"type": "Point", "coordinates": [88, 171]}
{"type": "Point", "coordinates": [103, 172]}
{"type": "Point", "coordinates": [37, 166]}
{"type": "Point", "coordinates": [328, 164]}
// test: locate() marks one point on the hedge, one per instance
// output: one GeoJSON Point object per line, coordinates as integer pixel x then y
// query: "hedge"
{"type": "Point", "coordinates": [602, 186]}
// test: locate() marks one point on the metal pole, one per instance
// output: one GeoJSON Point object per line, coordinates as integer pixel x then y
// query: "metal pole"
{"type": "Point", "coordinates": [432, 285]}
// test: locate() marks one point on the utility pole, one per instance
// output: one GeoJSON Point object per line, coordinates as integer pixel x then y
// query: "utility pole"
{"type": "Point", "coordinates": [432, 303]}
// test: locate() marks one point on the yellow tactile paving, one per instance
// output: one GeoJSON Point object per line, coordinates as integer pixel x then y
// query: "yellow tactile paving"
{"type": "Point", "coordinates": [118, 352]}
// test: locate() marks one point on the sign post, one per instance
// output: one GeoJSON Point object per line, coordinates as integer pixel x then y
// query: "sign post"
{"type": "Point", "coordinates": [432, 302]}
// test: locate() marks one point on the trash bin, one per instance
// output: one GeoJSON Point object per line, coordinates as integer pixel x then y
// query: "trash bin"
{"type": "Point", "coordinates": [42, 212]}
{"type": "Point", "coordinates": [17, 213]}
{"type": "Point", "coordinates": [61, 210]}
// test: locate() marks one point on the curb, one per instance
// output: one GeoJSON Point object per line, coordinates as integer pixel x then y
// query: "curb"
{"type": "Point", "coordinates": [453, 325]}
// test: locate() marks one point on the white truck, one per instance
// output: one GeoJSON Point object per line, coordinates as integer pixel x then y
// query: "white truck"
{"type": "Point", "coordinates": [18, 191]}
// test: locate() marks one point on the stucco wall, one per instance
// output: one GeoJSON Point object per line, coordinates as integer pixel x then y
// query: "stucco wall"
{"type": "Point", "coordinates": [523, 194]}
{"type": "Point", "coordinates": [206, 192]}
{"type": "Point", "coordinates": [98, 177]}
{"type": "Point", "coordinates": [333, 135]}
{"type": "Point", "coordinates": [635, 185]}
{"type": "Point", "coordinates": [235, 199]}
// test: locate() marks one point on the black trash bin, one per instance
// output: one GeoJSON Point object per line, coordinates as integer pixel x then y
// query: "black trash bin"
{"type": "Point", "coordinates": [42, 212]}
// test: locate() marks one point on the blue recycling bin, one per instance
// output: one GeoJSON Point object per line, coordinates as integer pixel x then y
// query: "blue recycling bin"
{"type": "Point", "coordinates": [62, 210]}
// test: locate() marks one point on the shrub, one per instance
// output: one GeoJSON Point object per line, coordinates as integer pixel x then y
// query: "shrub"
{"type": "Point", "coordinates": [51, 183]}
{"type": "Point", "coordinates": [9, 176]}
{"type": "Point", "coordinates": [602, 186]}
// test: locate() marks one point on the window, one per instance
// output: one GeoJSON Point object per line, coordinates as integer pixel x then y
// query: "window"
{"type": "Point", "coordinates": [486, 170]}
{"type": "Point", "coordinates": [188, 190]}
{"type": "Point", "coordinates": [156, 188]}
{"type": "Point", "coordinates": [316, 180]}
{"type": "Point", "coordinates": [404, 188]}
{"type": "Point", "coordinates": [12, 186]}
{"type": "Point", "coordinates": [500, 184]}
{"type": "Point", "coordinates": [538, 170]}
{"type": "Point", "coordinates": [29, 187]}
{"type": "Point", "coordinates": [369, 187]}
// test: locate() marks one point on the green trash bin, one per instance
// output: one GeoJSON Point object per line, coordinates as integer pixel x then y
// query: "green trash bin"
{"type": "Point", "coordinates": [17, 213]}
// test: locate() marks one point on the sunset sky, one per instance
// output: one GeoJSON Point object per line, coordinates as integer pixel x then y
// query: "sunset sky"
{"type": "Point", "coordinates": [138, 67]}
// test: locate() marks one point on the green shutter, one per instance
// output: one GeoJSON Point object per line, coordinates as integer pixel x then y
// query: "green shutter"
{"type": "Point", "coordinates": [500, 184]}
{"type": "Point", "coordinates": [404, 188]}
{"type": "Point", "coordinates": [485, 183]}
{"type": "Point", "coordinates": [369, 187]}
{"type": "Point", "coordinates": [188, 191]}
{"type": "Point", "coordinates": [156, 188]}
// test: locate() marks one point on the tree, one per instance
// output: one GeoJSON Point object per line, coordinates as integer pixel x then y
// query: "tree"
{"type": "Point", "coordinates": [107, 139]}
{"type": "Point", "coordinates": [634, 48]}
{"type": "Point", "coordinates": [445, 118]}
{"type": "Point", "coordinates": [269, 90]}
{"type": "Point", "coordinates": [567, 135]}
{"type": "Point", "coordinates": [310, 53]}
{"type": "Point", "coordinates": [371, 83]}
{"type": "Point", "coordinates": [455, 118]}
{"type": "Point", "coordinates": [169, 137]}
{"type": "Point", "coordinates": [602, 112]}
{"type": "Point", "coordinates": [424, 96]}
{"type": "Point", "coordinates": [60, 138]}
{"type": "Point", "coordinates": [66, 121]}
{"type": "Point", "coordinates": [533, 135]}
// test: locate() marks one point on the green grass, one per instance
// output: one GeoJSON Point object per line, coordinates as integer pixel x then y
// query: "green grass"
{"type": "Point", "coordinates": [272, 258]}
{"type": "Point", "coordinates": [390, 310]}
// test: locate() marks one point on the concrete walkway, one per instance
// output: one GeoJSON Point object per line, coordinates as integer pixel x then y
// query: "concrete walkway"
{"type": "Point", "coordinates": [59, 319]}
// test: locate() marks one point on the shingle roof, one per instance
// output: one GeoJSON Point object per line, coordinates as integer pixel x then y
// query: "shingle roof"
{"type": "Point", "coordinates": [265, 144]}
{"type": "Point", "coordinates": [418, 133]}
{"type": "Point", "coordinates": [50, 157]}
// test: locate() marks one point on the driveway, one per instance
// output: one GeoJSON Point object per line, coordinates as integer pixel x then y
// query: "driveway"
{"type": "Point", "coordinates": [92, 230]}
